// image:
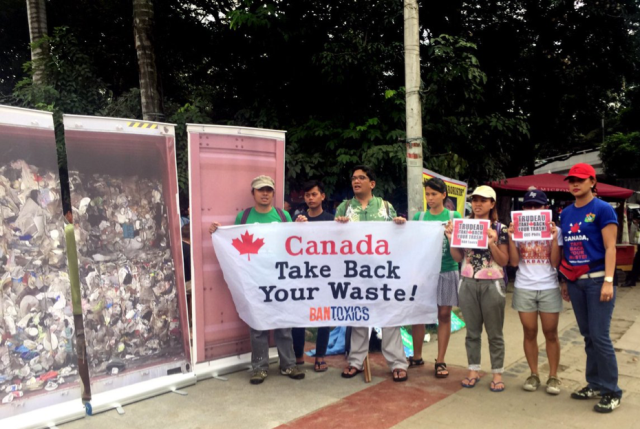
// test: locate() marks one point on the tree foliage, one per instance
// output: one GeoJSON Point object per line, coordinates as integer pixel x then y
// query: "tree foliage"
{"type": "Point", "coordinates": [503, 82]}
{"type": "Point", "coordinates": [621, 155]}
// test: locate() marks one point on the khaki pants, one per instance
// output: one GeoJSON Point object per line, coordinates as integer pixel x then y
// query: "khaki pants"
{"type": "Point", "coordinates": [392, 348]}
{"type": "Point", "coordinates": [482, 303]}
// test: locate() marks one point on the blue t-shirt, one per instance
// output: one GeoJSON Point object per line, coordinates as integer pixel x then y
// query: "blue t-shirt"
{"type": "Point", "coordinates": [582, 232]}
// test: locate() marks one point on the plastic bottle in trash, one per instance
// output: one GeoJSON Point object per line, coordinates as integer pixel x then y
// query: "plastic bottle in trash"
{"type": "Point", "coordinates": [13, 388]}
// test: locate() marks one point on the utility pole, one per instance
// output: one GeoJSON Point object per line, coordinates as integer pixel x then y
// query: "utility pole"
{"type": "Point", "coordinates": [413, 107]}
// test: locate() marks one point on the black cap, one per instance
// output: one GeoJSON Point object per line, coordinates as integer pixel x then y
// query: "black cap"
{"type": "Point", "coordinates": [536, 196]}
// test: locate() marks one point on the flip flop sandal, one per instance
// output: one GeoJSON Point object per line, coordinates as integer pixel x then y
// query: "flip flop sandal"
{"type": "Point", "coordinates": [318, 366]}
{"type": "Point", "coordinates": [299, 362]}
{"type": "Point", "coordinates": [349, 374]}
{"type": "Point", "coordinates": [440, 367]}
{"type": "Point", "coordinates": [471, 382]}
{"type": "Point", "coordinates": [396, 372]}
{"type": "Point", "coordinates": [494, 386]}
{"type": "Point", "coordinates": [415, 362]}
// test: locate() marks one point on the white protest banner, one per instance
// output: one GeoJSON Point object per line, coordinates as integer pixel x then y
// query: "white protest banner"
{"type": "Point", "coordinates": [531, 225]}
{"type": "Point", "coordinates": [284, 275]}
{"type": "Point", "coordinates": [470, 233]}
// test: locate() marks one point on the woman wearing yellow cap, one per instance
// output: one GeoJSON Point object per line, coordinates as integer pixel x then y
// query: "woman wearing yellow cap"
{"type": "Point", "coordinates": [482, 292]}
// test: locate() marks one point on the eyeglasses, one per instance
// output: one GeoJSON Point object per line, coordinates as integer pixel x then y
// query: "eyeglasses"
{"type": "Point", "coordinates": [360, 178]}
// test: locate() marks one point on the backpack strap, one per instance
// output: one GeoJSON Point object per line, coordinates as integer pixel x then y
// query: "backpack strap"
{"type": "Point", "coordinates": [421, 215]}
{"type": "Point", "coordinates": [283, 218]}
{"type": "Point", "coordinates": [386, 206]}
{"type": "Point", "coordinates": [245, 216]}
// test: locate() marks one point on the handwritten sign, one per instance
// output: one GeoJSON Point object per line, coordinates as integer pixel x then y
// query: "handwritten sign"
{"type": "Point", "coordinates": [470, 233]}
{"type": "Point", "coordinates": [531, 225]}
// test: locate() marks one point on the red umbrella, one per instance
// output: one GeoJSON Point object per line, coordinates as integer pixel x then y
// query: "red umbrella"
{"type": "Point", "coordinates": [555, 183]}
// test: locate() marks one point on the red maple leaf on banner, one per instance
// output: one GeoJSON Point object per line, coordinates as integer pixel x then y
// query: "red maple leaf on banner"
{"type": "Point", "coordinates": [247, 245]}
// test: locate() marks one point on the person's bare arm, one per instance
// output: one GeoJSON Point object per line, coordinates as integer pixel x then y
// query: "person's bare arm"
{"type": "Point", "coordinates": [514, 255]}
{"type": "Point", "coordinates": [609, 234]}
{"type": "Point", "coordinates": [499, 252]}
{"type": "Point", "coordinates": [456, 253]}
{"type": "Point", "coordinates": [556, 251]}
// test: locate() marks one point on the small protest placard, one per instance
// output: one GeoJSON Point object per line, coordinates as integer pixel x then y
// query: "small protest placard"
{"type": "Point", "coordinates": [531, 225]}
{"type": "Point", "coordinates": [470, 233]}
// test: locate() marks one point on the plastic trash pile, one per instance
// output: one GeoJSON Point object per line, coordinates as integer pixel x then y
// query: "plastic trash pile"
{"type": "Point", "coordinates": [127, 275]}
{"type": "Point", "coordinates": [36, 320]}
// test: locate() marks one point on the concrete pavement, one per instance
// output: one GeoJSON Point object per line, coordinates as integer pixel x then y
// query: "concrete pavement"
{"type": "Point", "coordinates": [328, 401]}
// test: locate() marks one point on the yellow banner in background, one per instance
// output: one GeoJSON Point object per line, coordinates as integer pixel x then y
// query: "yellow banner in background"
{"type": "Point", "coordinates": [456, 192]}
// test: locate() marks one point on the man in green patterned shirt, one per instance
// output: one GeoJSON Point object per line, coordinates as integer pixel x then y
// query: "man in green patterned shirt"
{"type": "Point", "coordinates": [365, 207]}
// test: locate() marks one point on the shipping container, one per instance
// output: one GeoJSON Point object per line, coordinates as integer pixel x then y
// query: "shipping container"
{"type": "Point", "coordinates": [223, 160]}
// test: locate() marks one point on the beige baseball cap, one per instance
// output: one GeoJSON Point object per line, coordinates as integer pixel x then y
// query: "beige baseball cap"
{"type": "Point", "coordinates": [485, 191]}
{"type": "Point", "coordinates": [263, 181]}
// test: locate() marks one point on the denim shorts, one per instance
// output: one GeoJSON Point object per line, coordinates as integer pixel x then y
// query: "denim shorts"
{"type": "Point", "coordinates": [531, 301]}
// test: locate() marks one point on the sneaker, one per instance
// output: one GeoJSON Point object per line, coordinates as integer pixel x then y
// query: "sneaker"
{"type": "Point", "coordinates": [553, 385]}
{"type": "Point", "coordinates": [607, 404]}
{"type": "Point", "coordinates": [585, 393]}
{"type": "Point", "coordinates": [532, 383]}
{"type": "Point", "coordinates": [258, 376]}
{"type": "Point", "coordinates": [293, 372]}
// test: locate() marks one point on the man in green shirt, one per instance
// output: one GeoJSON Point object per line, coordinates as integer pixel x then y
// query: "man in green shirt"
{"type": "Point", "coordinates": [365, 207]}
{"type": "Point", "coordinates": [263, 191]}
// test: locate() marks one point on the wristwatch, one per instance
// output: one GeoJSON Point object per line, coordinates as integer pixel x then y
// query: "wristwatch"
{"type": "Point", "coordinates": [608, 279]}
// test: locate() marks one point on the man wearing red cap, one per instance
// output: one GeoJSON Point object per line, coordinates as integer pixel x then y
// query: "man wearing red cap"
{"type": "Point", "coordinates": [589, 229]}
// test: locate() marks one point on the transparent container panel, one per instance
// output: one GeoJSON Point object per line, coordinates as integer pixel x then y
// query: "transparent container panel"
{"type": "Point", "coordinates": [38, 364]}
{"type": "Point", "coordinates": [124, 199]}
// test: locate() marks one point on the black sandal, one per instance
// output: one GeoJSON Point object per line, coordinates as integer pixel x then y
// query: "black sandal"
{"type": "Point", "coordinates": [415, 362]}
{"type": "Point", "coordinates": [349, 374]}
{"type": "Point", "coordinates": [440, 367]}
{"type": "Point", "coordinates": [396, 375]}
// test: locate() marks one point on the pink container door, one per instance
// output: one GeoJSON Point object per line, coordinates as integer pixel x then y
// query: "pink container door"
{"type": "Point", "coordinates": [124, 193]}
{"type": "Point", "coordinates": [223, 161]}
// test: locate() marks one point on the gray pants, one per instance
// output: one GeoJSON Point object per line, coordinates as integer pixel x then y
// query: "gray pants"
{"type": "Point", "coordinates": [392, 348]}
{"type": "Point", "coordinates": [483, 302]}
{"type": "Point", "coordinates": [260, 349]}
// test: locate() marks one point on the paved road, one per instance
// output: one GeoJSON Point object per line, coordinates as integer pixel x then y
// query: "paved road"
{"type": "Point", "coordinates": [327, 401]}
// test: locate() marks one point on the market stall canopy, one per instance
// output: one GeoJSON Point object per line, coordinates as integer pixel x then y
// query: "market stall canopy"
{"type": "Point", "coordinates": [555, 183]}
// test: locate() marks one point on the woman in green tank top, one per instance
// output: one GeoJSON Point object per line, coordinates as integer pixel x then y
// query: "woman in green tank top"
{"type": "Point", "coordinates": [436, 193]}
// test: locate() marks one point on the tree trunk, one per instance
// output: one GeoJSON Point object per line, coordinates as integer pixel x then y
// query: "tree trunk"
{"type": "Point", "coordinates": [143, 32]}
{"type": "Point", "coordinates": [37, 13]}
{"type": "Point", "coordinates": [413, 107]}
